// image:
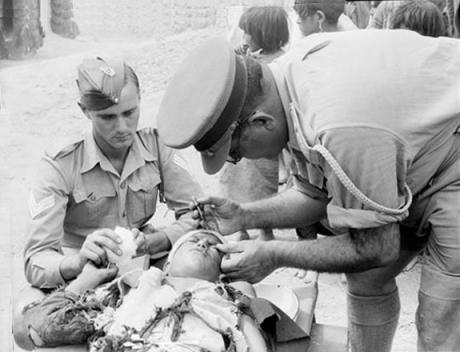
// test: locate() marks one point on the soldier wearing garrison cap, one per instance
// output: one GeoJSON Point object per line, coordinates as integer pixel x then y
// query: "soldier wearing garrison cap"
{"type": "Point", "coordinates": [112, 177]}
{"type": "Point", "coordinates": [371, 121]}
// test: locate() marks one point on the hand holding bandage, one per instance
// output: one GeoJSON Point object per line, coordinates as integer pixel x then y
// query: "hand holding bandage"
{"type": "Point", "coordinates": [97, 244]}
{"type": "Point", "coordinates": [129, 242]}
{"type": "Point", "coordinates": [111, 246]}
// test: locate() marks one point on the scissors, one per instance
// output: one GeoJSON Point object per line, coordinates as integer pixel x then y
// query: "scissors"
{"type": "Point", "coordinates": [199, 207]}
{"type": "Point", "coordinates": [195, 206]}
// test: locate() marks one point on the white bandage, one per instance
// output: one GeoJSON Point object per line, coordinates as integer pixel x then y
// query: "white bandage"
{"type": "Point", "coordinates": [128, 247]}
{"type": "Point", "coordinates": [186, 236]}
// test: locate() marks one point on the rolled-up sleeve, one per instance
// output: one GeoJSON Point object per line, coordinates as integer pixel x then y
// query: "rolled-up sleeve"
{"type": "Point", "coordinates": [303, 186]}
{"type": "Point", "coordinates": [47, 207]}
{"type": "Point", "coordinates": [375, 162]}
{"type": "Point", "coordinates": [180, 188]}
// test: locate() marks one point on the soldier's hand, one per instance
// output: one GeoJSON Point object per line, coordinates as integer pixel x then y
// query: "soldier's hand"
{"type": "Point", "coordinates": [220, 214]}
{"type": "Point", "coordinates": [139, 239]}
{"type": "Point", "coordinates": [249, 261]}
{"type": "Point", "coordinates": [98, 243]}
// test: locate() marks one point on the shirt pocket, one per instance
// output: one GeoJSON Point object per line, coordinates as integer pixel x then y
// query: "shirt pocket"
{"type": "Point", "coordinates": [142, 197]}
{"type": "Point", "coordinates": [93, 205]}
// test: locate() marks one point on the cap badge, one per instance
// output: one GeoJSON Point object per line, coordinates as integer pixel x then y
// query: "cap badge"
{"type": "Point", "coordinates": [109, 71]}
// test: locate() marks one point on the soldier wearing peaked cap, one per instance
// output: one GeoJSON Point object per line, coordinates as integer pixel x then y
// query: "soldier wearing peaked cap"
{"type": "Point", "coordinates": [110, 178]}
{"type": "Point", "coordinates": [376, 148]}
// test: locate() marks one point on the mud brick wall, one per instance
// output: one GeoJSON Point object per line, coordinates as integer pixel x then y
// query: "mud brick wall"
{"type": "Point", "coordinates": [155, 18]}
{"type": "Point", "coordinates": [21, 33]}
{"type": "Point", "coordinates": [196, 14]}
{"type": "Point", "coordinates": [61, 18]}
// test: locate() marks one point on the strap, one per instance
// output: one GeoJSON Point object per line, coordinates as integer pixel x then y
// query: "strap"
{"type": "Point", "coordinates": [342, 176]}
{"type": "Point", "coordinates": [161, 187]}
{"type": "Point", "coordinates": [350, 186]}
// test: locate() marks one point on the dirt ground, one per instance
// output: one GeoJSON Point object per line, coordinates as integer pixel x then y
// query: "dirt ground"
{"type": "Point", "coordinates": [39, 111]}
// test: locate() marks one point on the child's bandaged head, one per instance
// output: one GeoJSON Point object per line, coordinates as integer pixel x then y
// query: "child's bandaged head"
{"type": "Point", "coordinates": [128, 247]}
{"type": "Point", "coordinates": [186, 236]}
{"type": "Point", "coordinates": [195, 255]}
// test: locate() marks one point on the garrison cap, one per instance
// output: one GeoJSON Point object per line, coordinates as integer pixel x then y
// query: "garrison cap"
{"type": "Point", "coordinates": [203, 101]}
{"type": "Point", "coordinates": [100, 82]}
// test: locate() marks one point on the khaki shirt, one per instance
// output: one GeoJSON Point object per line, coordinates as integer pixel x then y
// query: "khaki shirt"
{"type": "Point", "coordinates": [78, 191]}
{"type": "Point", "coordinates": [385, 104]}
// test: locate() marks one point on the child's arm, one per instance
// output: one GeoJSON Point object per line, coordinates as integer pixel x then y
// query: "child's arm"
{"type": "Point", "coordinates": [90, 278]}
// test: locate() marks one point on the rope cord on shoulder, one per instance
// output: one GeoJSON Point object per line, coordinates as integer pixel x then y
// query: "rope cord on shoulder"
{"type": "Point", "coordinates": [350, 186]}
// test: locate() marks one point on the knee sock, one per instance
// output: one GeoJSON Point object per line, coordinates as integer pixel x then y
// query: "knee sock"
{"type": "Point", "coordinates": [372, 321]}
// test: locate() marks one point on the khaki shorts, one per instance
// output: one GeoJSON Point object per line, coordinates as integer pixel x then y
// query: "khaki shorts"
{"type": "Point", "coordinates": [438, 234]}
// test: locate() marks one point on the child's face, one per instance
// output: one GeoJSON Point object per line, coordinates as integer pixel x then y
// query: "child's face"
{"type": "Point", "coordinates": [247, 40]}
{"type": "Point", "coordinates": [198, 258]}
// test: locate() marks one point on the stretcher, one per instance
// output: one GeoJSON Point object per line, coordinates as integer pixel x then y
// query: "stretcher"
{"type": "Point", "coordinates": [297, 299]}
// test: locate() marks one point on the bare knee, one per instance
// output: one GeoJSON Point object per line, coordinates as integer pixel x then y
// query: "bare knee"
{"type": "Point", "coordinates": [20, 333]}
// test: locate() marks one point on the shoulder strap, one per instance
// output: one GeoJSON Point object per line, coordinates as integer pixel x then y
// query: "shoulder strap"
{"type": "Point", "coordinates": [148, 145]}
{"type": "Point", "coordinates": [160, 168]}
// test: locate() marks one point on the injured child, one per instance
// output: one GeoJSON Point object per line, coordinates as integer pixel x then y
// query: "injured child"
{"type": "Point", "coordinates": [182, 308]}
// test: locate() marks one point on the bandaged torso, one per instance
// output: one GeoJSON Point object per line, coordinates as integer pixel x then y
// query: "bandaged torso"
{"type": "Point", "coordinates": [157, 317]}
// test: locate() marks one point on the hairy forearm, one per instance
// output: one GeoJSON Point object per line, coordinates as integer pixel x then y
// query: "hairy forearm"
{"type": "Point", "coordinates": [358, 251]}
{"type": "Point", "coordinates": [287, 209]}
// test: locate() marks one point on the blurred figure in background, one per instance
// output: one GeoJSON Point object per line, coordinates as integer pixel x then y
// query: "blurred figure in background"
{"type": "Point", "coordinates": [421, 16]}
{"type": "Point", "coordinates": [383, 14]}
{"type": "Point", "coordinates": [359, 12]}
{"type": "Point", "coordinates": [315, 16]}
{"type": "Point", "coordinates": [266, 32]}
{"type": "Point", "coordinates": [453, 17]}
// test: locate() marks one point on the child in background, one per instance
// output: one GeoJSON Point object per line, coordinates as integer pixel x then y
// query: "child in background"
{"type": "Point", "coordinates": [266, 31]}
{"type": "Point", "coordinates": [421, 16]}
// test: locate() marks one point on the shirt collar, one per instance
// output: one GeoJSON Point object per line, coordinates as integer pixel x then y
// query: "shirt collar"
{"type": "Point", "coordinates": [137, 156]}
